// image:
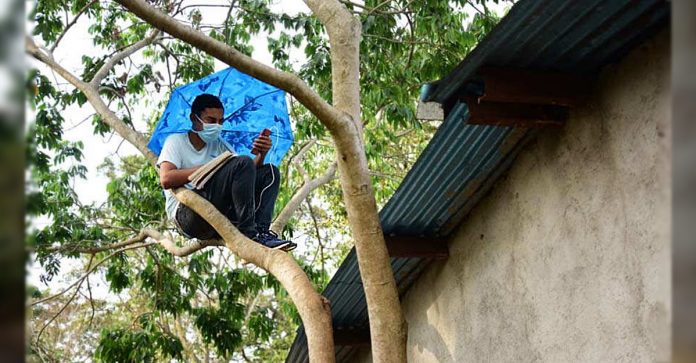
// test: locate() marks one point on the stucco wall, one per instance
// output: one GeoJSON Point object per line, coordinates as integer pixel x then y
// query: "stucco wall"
{"type": "Point", "coordinates": [568, 258]}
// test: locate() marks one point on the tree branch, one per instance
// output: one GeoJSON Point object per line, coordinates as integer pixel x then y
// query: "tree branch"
{"type": "Point", "coordinates": [227, 22]}
{"type": "Point", "coordinates": [169, 71]}
{"type": "Point", "coordinates": [91, 303]}
{"type": "Point", "coordinates": [38, 337]}
{"type": "Point", "coordinates": [177, 55]}
{"type": "Point", "coordinates": [251, 307]}
{"type": "Point", "coordinates": [67, 27]}
{"type": "Point", "coordinates": [291, 158]}
{"type": "Point", "coordinates": [175, 250]}
{"type": "Point", "coordinates": [111, 63]}
{"type": "Point", "coordinates": [92, 94]}
{"type": "Point", "coordinates": [139, 238]}
{"type": "Point", "coordinates": [299, 158]}
{"type": "Point", "coordinates": [413, 46]}
{"type": "Point", "coordinates": [181, 9]}
{"type": "Point", "coordinates": [392, 40]}
{"type": "Point", "coordinates": [471, 3]}
{"type": "Point", "coordinates": [181, 333]}
{"type": "Point", "coordinates": [301, 194]}
{"type": "Point", "coordinates": [79, 281]}
{"type": "Point", "coordinates": [163, 241]}
{"type": "Point", "coordinates": [368, 10]}
{"type": "Point", "coordinates": [346, 2]}
{"type": "Point", "coordinates": [316, 229]}
{"type": "Point", "coordinates": [312, 307]}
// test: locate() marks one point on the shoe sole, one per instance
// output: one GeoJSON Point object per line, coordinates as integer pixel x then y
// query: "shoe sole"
{"type": "Point", "coordinates": [289, 247]}
{"type": "Point", "coordinates": [281, 246]}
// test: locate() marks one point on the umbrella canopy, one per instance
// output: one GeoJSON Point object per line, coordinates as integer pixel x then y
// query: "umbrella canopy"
{"type": "Point", "coordinates": [250, 106]}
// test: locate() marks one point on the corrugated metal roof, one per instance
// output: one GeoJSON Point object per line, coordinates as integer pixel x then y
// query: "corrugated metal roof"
{"type": "Point", "coordinates": [454, 164]}
{"type": "Point", "coordinates": [462, 162]}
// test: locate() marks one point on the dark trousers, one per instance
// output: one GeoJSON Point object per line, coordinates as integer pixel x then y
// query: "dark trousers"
{"type": "Point", "coordinates": [235, 190]}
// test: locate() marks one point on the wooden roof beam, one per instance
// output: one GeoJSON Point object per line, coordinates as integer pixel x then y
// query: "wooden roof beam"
{"type": "Point", "coordinates": [514, 114]}
{"type": "Point", "coordinates": [533, 87]}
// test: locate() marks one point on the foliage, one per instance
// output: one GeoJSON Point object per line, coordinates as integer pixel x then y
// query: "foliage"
{"type": "Point", "coordinates": [146, 344]}
{"type": "Point", "coordinates": [209, 304]}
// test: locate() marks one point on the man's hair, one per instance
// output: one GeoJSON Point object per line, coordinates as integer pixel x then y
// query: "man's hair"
{"type": "Point", "coordinates": [204, 101]}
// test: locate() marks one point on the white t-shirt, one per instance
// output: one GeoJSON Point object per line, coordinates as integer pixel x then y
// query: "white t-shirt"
{"type": "Point", "coordinates": [177, 149]}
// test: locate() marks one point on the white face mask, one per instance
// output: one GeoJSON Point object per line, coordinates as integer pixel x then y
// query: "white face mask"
{"type": "Point", "coordinates": [210, 132]}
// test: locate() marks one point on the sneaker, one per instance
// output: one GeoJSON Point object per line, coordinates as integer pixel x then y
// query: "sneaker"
{"type": "Point", "coordinates": [291, 245]}
{"type": "Point", "coordinates": [271, 241]}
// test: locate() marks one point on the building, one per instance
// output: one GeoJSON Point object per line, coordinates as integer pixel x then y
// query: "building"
{"type": "Point", "coordinates": [535, 224]}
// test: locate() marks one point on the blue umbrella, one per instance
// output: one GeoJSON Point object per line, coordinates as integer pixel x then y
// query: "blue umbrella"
{"type": "Point", "coordinates": [250, 106]}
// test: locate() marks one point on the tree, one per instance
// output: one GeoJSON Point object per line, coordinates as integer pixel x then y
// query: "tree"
{"type": "Point", "coordinates": [339, 66]}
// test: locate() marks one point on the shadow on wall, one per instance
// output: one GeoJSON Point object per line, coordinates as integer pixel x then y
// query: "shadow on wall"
{"type": "Point", "coordinates": [435, 343]}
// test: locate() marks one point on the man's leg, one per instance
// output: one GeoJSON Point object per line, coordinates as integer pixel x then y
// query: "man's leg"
{"type": "Point", "coordinates": [231, 191]}
{"type": "Point", "coordinates": [193, 225]}
{"type": "Point", "coordinates": [267, 187]}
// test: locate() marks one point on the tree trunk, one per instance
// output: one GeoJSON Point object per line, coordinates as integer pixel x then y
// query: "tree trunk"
{"type": "Point", "coordinates": [387, 325]}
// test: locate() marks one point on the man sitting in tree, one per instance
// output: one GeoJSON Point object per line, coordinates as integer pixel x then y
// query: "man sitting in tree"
{"type": "Point", "coordinates": [244, 190]}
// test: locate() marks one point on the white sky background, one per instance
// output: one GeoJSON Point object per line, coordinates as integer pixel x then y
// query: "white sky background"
{"type": "Point", "coordinates": [96, 148]}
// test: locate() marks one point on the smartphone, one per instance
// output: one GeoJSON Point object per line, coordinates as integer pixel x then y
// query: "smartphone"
{"type": "Point", "coordinates": [264, 132]}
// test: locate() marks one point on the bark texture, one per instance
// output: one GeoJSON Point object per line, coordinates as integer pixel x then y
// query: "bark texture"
{"type": "Point", "coordinates": [312, 307]}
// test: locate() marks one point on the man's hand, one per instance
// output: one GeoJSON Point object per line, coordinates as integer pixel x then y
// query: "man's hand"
{"type": "Point", "coordinates": [263, 144]}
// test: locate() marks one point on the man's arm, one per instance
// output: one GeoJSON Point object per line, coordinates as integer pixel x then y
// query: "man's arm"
{"type": "Point", "coordinates": [171, 177]}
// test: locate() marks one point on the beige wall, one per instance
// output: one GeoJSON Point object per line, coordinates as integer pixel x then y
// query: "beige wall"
{"type": "Point", "coordinates": [568, 258]}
